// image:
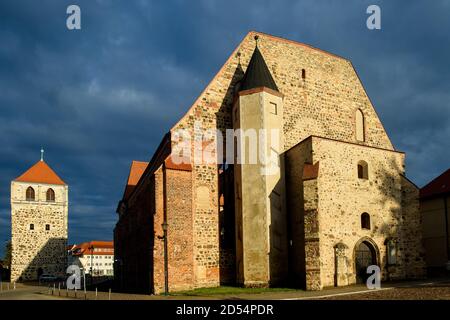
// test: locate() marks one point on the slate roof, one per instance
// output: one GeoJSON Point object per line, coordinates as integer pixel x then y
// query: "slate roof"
{"type": "Point", "coordinates": [257, 74]}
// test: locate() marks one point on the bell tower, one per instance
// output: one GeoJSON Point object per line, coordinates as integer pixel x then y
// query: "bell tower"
{"type": "Point", "coordinates": [39, 214]}
{"type": "Point", "coordinates": [261, 246]}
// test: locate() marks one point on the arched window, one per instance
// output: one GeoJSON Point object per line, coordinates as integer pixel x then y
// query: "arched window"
{"type": "Point", "coordinates": [365, 221]}
{"type": "Point", "coordinates": [50, 195]}
{"type": "Point", "coordinates": [359, 126]}
{"type": "Point", "coordinates": [363, 170]}
{"type": "Point", "coordinates": [30, 194]}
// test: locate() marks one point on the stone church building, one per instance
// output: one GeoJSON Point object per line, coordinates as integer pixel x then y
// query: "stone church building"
{"type": "Point", "coordinates": [338, 202]}
{"type": "Point", "coordinates": [39, 214]}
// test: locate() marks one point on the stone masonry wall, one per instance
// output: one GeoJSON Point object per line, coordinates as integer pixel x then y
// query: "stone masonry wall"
{"type": "Point", "coordinates": [295, 159]}
{"type": "Point", "coordinates": [411, 241]}
{"type": "Point", "coordinates": [158, 249]}
{"type": "Point", "coordinates": [313, 236]}
{"type": "Point", "coordinates": [37, 249]}
{"type": "Point", "coordinates": [141, 238]}
{"type": "Point", "coordinates": [343, 197]}
{"type": "Point", "coordinates": [179, 219]}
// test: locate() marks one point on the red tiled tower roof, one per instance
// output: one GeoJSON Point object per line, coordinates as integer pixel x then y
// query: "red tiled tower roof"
{"type": "Point", "coordinates": [40, 173]}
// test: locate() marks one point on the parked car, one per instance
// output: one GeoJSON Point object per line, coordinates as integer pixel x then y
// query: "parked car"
{"type": "Point", "coordinates": [47, 278]}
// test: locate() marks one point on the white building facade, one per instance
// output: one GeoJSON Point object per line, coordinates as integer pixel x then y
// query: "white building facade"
{"type": "Point", "coordinates": [94, 257]}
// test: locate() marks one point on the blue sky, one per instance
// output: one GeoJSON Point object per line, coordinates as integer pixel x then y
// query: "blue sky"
{"type": "Point", "coordinates": [98, 98]}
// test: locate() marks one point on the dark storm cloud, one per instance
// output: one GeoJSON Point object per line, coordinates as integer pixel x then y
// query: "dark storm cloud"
{"type": "Point", "coordinates": [100, 97]}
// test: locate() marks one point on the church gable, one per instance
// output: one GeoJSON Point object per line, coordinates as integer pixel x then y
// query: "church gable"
{"type": "Point", "coordinates": [322, 93]}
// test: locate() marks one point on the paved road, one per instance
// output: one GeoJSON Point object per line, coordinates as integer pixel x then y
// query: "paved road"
{"type": "Point", "coordinates": [437, 289]}
{"type": "Point", "coordinates": [27, 293]}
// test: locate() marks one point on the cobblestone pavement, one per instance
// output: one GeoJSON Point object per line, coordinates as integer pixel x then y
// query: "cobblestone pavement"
{"type": "Point", "coordinates": [427, 291]}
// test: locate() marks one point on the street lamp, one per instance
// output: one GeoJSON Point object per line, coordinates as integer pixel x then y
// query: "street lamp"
{"type": "Point", "coordinates": [92, 263]}
{"type": "Point", "coordinates": [166, 260]}
{"type": "Point", "coordinates": [84, 278]}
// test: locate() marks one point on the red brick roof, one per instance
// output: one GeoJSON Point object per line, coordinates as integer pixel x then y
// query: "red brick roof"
{"type": "Point", "coordinates": [101, 244]}
{"type": "Point", "coordinates": [136, 170]}
{"type": "Point", "coordinates": [438, 186]}
{"type": "Point", "coordinates": [41, 173]}
{"type": "Point", "coordinates": [84, 248]}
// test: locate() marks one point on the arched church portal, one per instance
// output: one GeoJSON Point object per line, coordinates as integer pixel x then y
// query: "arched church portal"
{"type": "Point", "coordinates": [365, 254]}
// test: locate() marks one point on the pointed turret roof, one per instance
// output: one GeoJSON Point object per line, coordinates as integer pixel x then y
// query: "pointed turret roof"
{"type": "Point", "coordinates": [40, 173]}
{"type": "Point", "coordinates": [257, 74]}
